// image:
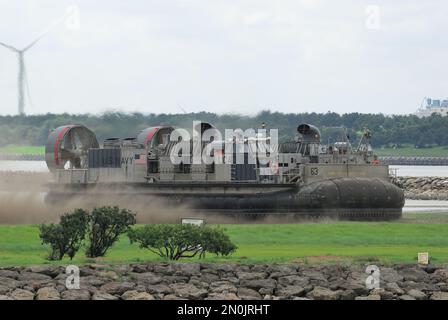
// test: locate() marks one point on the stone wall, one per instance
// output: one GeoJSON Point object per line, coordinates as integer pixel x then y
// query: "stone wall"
{"type": "Point", "coordinates": [158, 281]}
{"type": "Point", "coordinates": [423, 188]}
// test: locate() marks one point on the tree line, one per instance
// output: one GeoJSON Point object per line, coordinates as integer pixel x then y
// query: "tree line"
{"type": "Point", "coordinates": [386, 130]}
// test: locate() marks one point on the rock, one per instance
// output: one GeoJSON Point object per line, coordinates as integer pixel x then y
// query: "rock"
{"type": "Point", "coordinates": [30, 276]}
{"type": "Point", "coordinates": [166, 269]}
{"type": "Point", "coordinates": [385, 295]}
{"type": "Point", "coordinates": [3, 297]}
{"type": "Point", "coordinates": [369, 297]}
{"type": "Point", "coordinates": [9, 274]}
{"type": "Point", "coordinates": [321, 293]}
{"type": "Point", "coordinates": [172, 297]}
{"type": "Point", "coordinates": [406, 297]}
{"type": "Point", "coordinates": [248, 294]}
{"type": "Point", "coordinates": [314, 275]}
{"type": "Point", "coordinates": [49, 270]}
{"type": "Point", "coordinates": [117, 287]}
{"type": "Point", "coordinates": [293, 281]}
{"type": "Point", "coordinates": [222, 287]}
{"type": "Point", "coordinates": [290, 291]}
{"type": "Point", "coordinates": [98, 295]}
{"type": "Point", "coordinates": [417, 294]}
{"type": "Point", "coordinates": [188, 269]}
{"type": "Point", "coordinates": [258, 284]}
{"type": "Point", "coordinates": [135, 295]}
{"type": "Point", "coordinates": [414, 274]}
{"type": "Point", "coordinates": [440, 274]}
{"type": "Point", "coordinates": [48, 293]}
{"type": "Point", "coordinates": [91, 281]}
{"type": "Point", "coordinates": [159, 289]}
{"type": "Point", "coordinates": [389, 275]}
{"type": "Point", "coordinates": [112, 275]}
{"type": "Point", "coordinates": [188, 291]}
{"type": "Point", "coordinates": [347, 294]}
{"type": "Point", "coordinates": [139, 268]}
{"type": "Point", "coordinates": [209, 277]}
{"type": "Point", "coordinates": [148, 278]}
{"type": "Point", "coordinates": [394, 288]}
{"type": "Point", "coordinates": [359, 288]}
{"type": "Point", "coordinates": [75, 294]}
{"type": "Point", "coordinates": [251, 275]}
{"type": "Point", "coordinates": [20, 294]}
{"type": "Point", "coordinates": [222, 296]}
{"type": "Point", "coordinates": [439, 296]}
{"type": "Point", "coordinates": [4, 289]}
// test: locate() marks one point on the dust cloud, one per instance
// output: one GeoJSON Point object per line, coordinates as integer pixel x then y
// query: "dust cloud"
{"type": "Point", "coordinates": [23, 201]}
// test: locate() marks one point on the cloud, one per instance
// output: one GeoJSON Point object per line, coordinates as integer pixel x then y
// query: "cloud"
{"type": "Point", "coordinates": [226, 56]}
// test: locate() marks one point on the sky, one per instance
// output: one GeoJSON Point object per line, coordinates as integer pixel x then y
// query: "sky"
{"type": "Point", "coordinates": [225, 56]}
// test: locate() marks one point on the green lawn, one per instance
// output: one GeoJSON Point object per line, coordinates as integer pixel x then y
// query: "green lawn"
{"type": "Point", "coordinates": [410, 151]}
{"type": "Point", "coordinates": [308, 242]}
{"type": "Point", "coordinates": [23, 149]}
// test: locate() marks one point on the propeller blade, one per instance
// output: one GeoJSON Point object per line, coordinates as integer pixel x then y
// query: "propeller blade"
{"type": "Point", "coordinates": [9, 47]}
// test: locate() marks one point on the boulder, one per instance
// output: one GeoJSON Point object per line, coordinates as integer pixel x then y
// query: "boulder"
{"type": "Point", "coordinates": [31, 276]}
{"type": "Point", "coordinates": [48, 270]}
{"type": "Point", "coordinates": [248, 294]}
{"type": "Point", "coordinates": [222, 287]}
{"type": "Point", "coordinates": [417, 294]}
{"type": "Point", "coordinates": [439, 296]}
{"type": "Point", "coordinates": [159, 289]}
{"type": "Point", "coordinates": [369, 297]}
{"type": "Point", "coordinates": [98, 295]}
{"type": "Point", "coordinates": [251, 275]}
{"type": "Point", "coordinates": [394, 288]}
{"type": "Point", "coordinates": [148, 278]}
{"type": "Point", "coordinates": [9, 274]}
{"type": "Point", "coordinates": [117, 287]}
{"type": "Point", "coordinates": [290, 291]}
{"type": "Point", "coordinates": [20, 294]}
{"type": "Point", "coordinates": [75, 294]}
{"type": "Point", "coordinates": [258, 284]}
{"type": "Point", "coordinates": [48, 293]}
{"type": "Point", "coordinates": [135, 295]}
{"type": "Point", "coordinates": [321, 293]}
{"type": "Point", "coordinates": [188, 291]}
{"type": "Point", "coordinates": [222, 296]}
{"type": "Point", "coordinates": [293, 280]}
{"type": "Point", "coordinates": [187, 269]}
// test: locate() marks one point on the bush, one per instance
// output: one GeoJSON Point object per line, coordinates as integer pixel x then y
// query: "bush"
{"type": "Point", "coordinates": [106, 225]}
{"type": "Point", "coordinates": [182, 241]}
{"type": "Point", "coordinates": [67, 236]}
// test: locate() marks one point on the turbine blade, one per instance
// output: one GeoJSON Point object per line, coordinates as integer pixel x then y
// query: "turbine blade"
{"type": "Point", "coordinates": [43, 34]}
{"type": "Point", "coordinates": [9, 47]}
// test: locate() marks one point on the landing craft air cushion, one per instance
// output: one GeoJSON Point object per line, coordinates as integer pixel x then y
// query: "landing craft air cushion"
{"type": "Point", "coordinates": [307, 178]}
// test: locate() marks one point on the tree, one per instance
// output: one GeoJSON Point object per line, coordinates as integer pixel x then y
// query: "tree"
{"type": "Point", "coordinates": [106, 225]}
{"type": "Point", "coordinates": [67, 236]}
{"type": "Point", "coordinates": [174, 242]}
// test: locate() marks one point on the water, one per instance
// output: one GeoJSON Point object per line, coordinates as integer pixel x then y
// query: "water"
{"type": "Point", "coordinates": [421, 171]}
{"type": "Point", "coordinates": [13, 165]}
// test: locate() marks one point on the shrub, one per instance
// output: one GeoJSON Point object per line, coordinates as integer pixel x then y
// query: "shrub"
{"type": "Point", "coordinates": [67, 236]}
{"type": "Point", "coordinates": [182, 241]}
{"type": "Point", "coordinates": [106, 225]}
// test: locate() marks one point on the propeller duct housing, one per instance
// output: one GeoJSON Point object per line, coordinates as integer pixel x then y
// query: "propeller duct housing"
{"type": "Point", "coordinates": [68, 146]}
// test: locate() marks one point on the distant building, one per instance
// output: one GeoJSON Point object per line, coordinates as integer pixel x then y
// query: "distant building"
{"type": "Point", "coordinates": [430, 106]}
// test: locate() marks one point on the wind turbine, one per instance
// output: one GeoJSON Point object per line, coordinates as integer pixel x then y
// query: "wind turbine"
{"type": "Point", "coordinates": [21, 78]}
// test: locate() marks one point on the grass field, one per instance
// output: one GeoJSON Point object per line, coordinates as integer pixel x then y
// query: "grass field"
{"type": "Point", "coordinates": [23, 149]}
{"type": "Point", "coordinates": [309, 243]}
{"type": "Point", "coordinates": [410, 151]}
